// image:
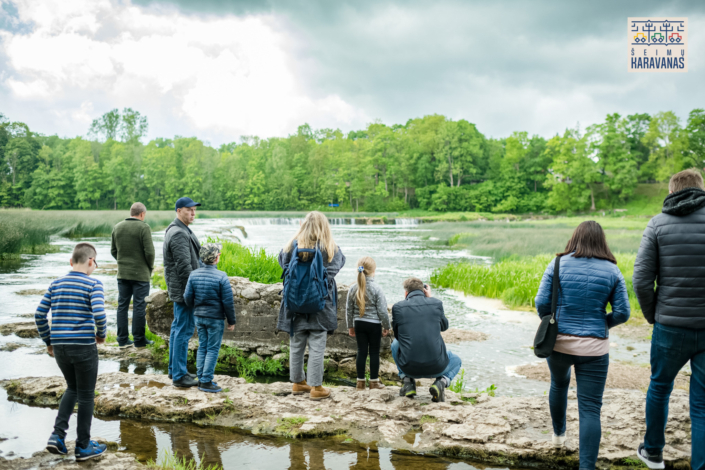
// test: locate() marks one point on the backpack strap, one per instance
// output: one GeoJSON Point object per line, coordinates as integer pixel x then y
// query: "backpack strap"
{"type": "Point", "coordinates": [555, 287]}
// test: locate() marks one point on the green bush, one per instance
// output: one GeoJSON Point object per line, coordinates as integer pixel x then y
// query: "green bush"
{"type": "Point", "coordinates": [515, 281]}
{"type": "Point", "coordinates": [253, 263]}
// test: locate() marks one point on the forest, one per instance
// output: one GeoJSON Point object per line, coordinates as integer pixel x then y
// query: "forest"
{"type": "Point", "coordinates": [432, 163]}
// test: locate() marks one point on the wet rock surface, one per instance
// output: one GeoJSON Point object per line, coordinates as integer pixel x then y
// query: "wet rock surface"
{"type": "Point", "coordinates": [619, 375]}
{"type": "Point", "coordinates": [498, 430]}
{"type": "Point", "coordinates": [111, 460]}
{"type": "Point", "coordinates": [25, 329]}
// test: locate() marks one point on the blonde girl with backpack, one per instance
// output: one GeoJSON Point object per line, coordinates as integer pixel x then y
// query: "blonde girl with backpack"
{"type": "Point", "coordinates": [313, 329]}
{"type": "Point", "coordinates": [367, 320]}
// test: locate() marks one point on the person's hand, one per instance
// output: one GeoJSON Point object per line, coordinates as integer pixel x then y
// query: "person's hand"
{"type": "Point", "coordinates": [231, 327]}
{"type": "Point", "coordinates": [99, 340]}
{"type": "Point", "coordinates": [50, 350]}
{"type": "Point", "coordinates": [427, 290]}
{"type": "Point", "coordinates": [385, 332]}
{"type": "Point", "coordinates": [351, 332]}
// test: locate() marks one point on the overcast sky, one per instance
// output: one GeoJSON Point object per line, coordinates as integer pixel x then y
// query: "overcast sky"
{"type": "Point", "coordinates": [221, 70]}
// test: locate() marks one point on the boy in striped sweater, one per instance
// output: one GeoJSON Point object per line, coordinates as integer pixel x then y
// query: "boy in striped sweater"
{"type": "Point", "coordinates": [78, 322]}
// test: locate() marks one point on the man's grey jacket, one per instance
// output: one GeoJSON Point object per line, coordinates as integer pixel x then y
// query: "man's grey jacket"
{"type": "Point", "coordinates": [181, 256]}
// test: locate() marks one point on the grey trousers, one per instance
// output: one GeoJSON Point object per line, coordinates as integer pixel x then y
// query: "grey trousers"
{"type": "Point", "coordinates": [316, 347]}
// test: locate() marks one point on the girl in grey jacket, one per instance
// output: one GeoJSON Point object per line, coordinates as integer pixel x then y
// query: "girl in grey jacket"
{"type": "Point", "coordinates": [368, 321]}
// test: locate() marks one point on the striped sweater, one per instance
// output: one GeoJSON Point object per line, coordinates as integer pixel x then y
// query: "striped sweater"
{"type": "Point", "coordinates": [77, 307]}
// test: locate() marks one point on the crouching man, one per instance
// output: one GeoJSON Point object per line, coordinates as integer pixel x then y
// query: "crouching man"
{"type": "Point", "coordinates": [418, 348]}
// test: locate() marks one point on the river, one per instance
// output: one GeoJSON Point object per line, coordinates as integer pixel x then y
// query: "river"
{"type": "Point", "coordinates": [400, 251]}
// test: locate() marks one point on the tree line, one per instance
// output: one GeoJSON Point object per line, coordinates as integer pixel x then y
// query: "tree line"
{"type": "Point", "coordinates": [432, 163]}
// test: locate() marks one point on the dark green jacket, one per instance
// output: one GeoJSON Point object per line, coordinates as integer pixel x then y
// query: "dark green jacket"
{"type": "Point", "coordinates": [133, 249]}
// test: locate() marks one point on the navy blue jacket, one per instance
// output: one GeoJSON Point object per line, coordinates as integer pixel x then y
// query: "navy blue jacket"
{"type": "Point", "coordinates": [208, 291]}
{"type": "Point", "coordinates": [587, 284]}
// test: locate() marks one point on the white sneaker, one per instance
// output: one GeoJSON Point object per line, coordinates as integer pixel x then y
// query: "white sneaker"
{"type": "Point", "coordinates": [559, 441]}
{"type": "Point", "coordinates": [654, 462]}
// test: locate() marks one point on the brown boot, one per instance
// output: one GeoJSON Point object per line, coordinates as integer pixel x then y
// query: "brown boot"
{"type": "Point", "coordinates": [360, 385]}
{"type": "Point", "coordinates": [319, 393]}
{"type": "Point", "coordinates": [300, 388]}
{"type": "Point", "coordinates": [376, 385]}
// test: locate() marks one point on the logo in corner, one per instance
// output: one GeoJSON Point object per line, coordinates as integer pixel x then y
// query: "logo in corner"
{"type": "Point", "coordinates": [658, 44]}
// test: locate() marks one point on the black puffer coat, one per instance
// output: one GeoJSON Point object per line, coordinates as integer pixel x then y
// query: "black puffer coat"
{"type": "Point", "coordinates": [181, 256]}
{"type": "Point", "coordinates": [672, 255]}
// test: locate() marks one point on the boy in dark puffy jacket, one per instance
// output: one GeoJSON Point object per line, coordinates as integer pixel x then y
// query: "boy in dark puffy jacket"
{"type": "Point", "coordinates": [209, 293]}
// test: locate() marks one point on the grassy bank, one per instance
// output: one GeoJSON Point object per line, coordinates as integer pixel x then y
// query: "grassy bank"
{"type": "Point", "coordinates": [515, 281]}
{"type": "Point", "coordinates": [250, 262]}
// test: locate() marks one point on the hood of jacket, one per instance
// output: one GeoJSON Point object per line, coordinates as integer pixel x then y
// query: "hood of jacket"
{"type": "Point", "coordinates": [684, 202]}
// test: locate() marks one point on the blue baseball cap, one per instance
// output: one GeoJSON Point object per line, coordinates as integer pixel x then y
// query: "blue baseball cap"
{"type": "Point", "coordinates": [185, 202]}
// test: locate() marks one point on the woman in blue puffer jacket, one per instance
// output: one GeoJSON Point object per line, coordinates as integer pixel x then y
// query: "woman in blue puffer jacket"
{"type": "Point", "coordinates": [589, 279]}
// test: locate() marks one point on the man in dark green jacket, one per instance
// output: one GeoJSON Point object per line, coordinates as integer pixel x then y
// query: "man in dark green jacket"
{"type": "Point", "coordinates": [133, 249]}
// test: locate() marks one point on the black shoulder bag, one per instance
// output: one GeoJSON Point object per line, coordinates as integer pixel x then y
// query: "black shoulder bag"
{"type": "Point", "coordinates": [545, 339]}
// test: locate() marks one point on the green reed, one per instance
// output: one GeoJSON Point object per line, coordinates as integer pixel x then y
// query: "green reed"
{"type": "Point", "coordinates": [251, 262]}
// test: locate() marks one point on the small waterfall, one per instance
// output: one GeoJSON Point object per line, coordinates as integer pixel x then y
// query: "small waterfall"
{"type": "Point", "coordinates": [341, 221]}
{"type": "Point", "coordinates": [267, 221]}
{"type": "Point", "coordinates": [406, 222]}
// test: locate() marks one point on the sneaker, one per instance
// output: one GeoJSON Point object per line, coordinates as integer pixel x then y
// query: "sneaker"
{"type": "Point", "coordinates": [145, 344]}
{"type": "Point", "coordinates": [212, 381]}
{"type": "Point", "coordinates": [211, 387]}
{"type": "Point", "coordinates": [93, 450]}
{"type": "Point", "coordinates": [408, 389]}
{"type": "Point", "coordinates": [193, 376]}
{"type": "Point", "coordinates": [56, 445]}
{"type": "Point", "coordinates": [654, 461]}
{"type": "Point", "coordinates": [559, 441]}
{"type": "Point", "coordinates": [438, 391]}
{"type": "Point", "coordinates": [128, 344]}
{"type": "Point", "coordinates": [185, 382]}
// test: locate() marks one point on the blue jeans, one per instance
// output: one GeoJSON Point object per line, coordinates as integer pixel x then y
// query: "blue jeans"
{"type": "Point", "coordinates": [671, 349]}
{"type": "Point", "coordinates": [181, 331]}
{"type": "Point", "coordinates": [210, 335]}
{"type": "Point", "coordinates": [449, 373]}
{"type": "Point", "coordinates": [590, 375]}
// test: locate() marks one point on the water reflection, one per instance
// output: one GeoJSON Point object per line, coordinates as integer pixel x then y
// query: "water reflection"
{"type": "Point", "coordinates": [234, 449]}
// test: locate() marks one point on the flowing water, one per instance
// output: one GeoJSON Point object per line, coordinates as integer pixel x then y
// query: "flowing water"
{"type": "Point", "coordinates": [400, 250]}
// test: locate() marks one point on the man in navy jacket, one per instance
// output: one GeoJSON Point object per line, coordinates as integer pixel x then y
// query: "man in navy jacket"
{"type": "Point", "coordinates": [418, 347]}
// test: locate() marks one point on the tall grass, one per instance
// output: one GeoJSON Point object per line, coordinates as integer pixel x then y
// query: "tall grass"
{"type": "Point", "coordinates": [515, 281]}
{"type": "Point", "coordinates": [168, 461]}
{"type": "Point", "coordinates": [253, 263]}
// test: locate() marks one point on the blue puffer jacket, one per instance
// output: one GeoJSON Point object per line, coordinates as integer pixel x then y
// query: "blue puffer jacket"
{"type": "Point", "coordinates": [587, 284]}
{"type": "Point", "coordinates": [208, 291]}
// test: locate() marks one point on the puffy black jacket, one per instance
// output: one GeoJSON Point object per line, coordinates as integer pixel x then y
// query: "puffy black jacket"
{"type": "Point", "coordinates": [181, 256]}
{"type": "Point", "coordinates": [672, 254]}
{"type": "Point", "coordinates": [208, 291]}
{"type": "Point", "coordinates": [417, 322]}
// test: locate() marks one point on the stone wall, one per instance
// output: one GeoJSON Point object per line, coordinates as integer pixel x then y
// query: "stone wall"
{"type": "Point", "coordinates": [257, 309]}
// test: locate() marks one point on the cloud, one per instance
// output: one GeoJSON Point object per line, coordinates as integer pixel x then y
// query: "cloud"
{"type": "Point", "coordinates": [218, 77]}
{"type": "Point", "coordinates": [220, 69]}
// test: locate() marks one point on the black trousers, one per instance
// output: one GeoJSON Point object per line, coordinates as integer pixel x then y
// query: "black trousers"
{"type": "Point", "coordinates": [369, 339]}
{"type": "Point", "coordinates": [79, 364]}
{"type": "Point", "coordinates": [138, 291]}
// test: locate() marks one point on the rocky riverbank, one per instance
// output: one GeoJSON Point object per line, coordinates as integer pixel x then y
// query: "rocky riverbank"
{"type": "Point", "coordinates": [499, 430]}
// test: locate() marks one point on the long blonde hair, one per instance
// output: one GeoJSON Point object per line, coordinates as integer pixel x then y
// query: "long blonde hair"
{"type": "Point", "coordinates": [369, 267]}
{"type": "Point", "coordinates": [314, 230]}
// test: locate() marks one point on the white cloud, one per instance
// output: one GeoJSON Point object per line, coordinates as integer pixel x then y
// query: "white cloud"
{"type": "Point", "coordinates": [217, 77]}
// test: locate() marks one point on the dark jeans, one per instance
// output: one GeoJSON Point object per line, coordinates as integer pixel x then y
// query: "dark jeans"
{"type": "Point", "coordinates": [137, 290]}
{"type": "Point", "coordinates": [590, 375]}
{"type": "Point", "coordinates": [369, 338]}
{"type": "Point", "coordinates": [181, 332]}
{"type": "Point", "coordinates": [79, 364]}
{"type": "Point", "coordinates": [671, 349]}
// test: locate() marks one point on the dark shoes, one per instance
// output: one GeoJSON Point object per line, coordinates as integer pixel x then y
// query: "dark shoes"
{"type": "Point", "coordinates": [438, 390]}
{"type": "Point", "coordinates": [127, 344]}
{"type": "Point", "coordinates": [193, 376]}
{"type": "Point", "coordinates": [654, 461]}
{"type": "Point", "coordinates": [93, 450]}
{"type": "Point", "coordinates": [211, 387]}
{"type": "Point", "coordinates": [145, 344]}
{"type": "Point", "coordinates": [185, 382]}
{"type": "Point", "coordinates": [56, 445]}
{"type": "Point", "coordinates": [408, 389]}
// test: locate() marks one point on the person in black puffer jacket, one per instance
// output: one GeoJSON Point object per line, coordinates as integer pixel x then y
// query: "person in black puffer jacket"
{"type": "Point", "coordinates": [672, 254]}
